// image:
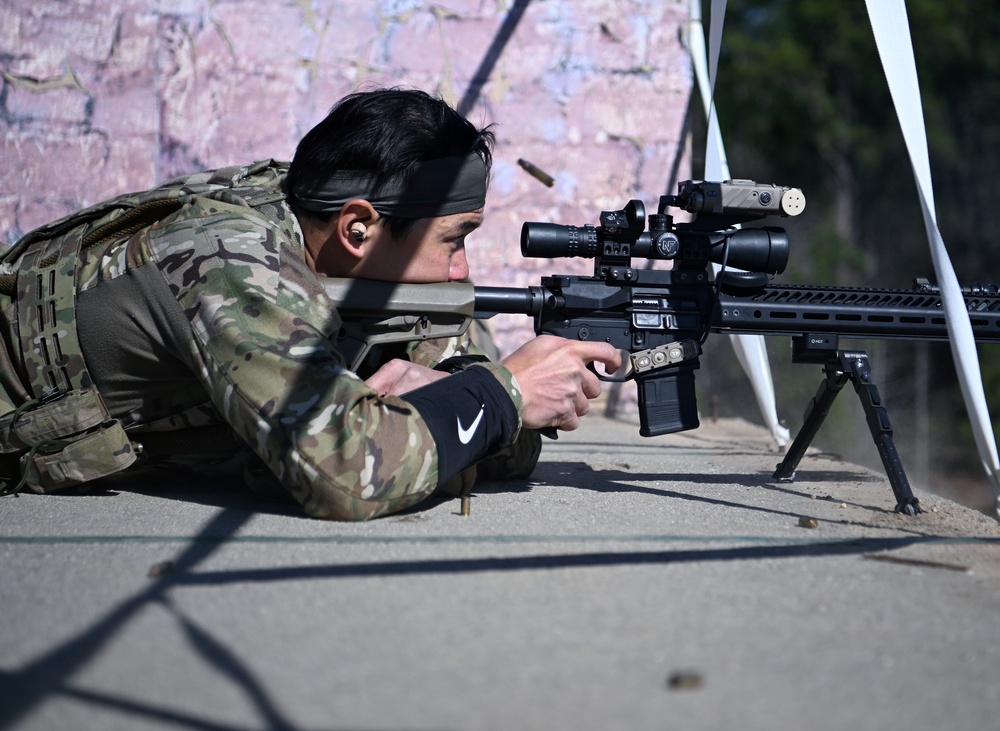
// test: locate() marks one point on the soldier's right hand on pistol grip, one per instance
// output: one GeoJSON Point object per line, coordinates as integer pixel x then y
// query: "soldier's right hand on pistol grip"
{"type": "Point", "coordinates": [556, 384]}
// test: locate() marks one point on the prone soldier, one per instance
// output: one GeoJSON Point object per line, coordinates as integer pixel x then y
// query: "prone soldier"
{"type": "Point", "coordinates": [187, 326]}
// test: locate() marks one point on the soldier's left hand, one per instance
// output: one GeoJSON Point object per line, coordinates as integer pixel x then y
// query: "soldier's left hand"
{"type": "Point", "coordinates": [401, 376]}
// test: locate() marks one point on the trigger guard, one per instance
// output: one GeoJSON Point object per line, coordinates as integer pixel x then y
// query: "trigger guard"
{"type": "Point", "coordinates": [609, 378]}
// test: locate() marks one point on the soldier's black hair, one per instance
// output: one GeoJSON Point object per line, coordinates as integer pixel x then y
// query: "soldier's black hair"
{"type": "Point", "coordinates": [384, 131]}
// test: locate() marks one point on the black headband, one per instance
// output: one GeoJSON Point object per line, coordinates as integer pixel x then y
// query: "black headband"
{"type": "Point", "coordinates": [436, 188]}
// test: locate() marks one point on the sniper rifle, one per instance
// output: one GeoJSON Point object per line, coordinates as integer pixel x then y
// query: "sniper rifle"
{"type": "Point", "coordinates": [663, 316]}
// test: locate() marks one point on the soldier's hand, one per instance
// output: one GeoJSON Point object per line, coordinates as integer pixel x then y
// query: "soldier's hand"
{"type": "Point", "coordinates": [555, 382]}
{"type": "Point", "coordinates": [401, 376]}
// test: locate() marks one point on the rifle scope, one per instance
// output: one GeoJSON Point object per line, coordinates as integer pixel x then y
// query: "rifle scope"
{"type": "Point", "coordinates": [762, 249]}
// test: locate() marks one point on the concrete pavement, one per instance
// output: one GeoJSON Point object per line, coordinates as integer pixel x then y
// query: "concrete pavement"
{"type": "Point", "coordinates": [632, 583]}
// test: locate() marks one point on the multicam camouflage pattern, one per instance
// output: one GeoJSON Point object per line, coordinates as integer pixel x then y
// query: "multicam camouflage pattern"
{"type": "Point", "coordinates": [46, 322]}
{"type": "Point", "coordinates": [63, 435]}
{"type": "Point", "coordinates": [85, 457]}
{"type": "Point", "coordinates": [261, 341]}
{"type": "Point", "coordinates": [63, 442]}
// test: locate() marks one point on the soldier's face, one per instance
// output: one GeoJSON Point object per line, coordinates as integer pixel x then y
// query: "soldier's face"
{"type": "Point", "coordinates": [432, 251]}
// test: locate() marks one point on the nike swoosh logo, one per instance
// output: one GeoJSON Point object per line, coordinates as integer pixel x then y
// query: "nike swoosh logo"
{"type": "Point", "coordinates": [465, 435]}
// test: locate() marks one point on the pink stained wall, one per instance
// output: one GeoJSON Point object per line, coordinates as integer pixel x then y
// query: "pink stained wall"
{"type": "Point", "coordinates": [102, 97]}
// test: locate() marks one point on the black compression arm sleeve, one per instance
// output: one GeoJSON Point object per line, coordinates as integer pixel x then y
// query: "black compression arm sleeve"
{"type": "Point", "coordinates": [469, 415]}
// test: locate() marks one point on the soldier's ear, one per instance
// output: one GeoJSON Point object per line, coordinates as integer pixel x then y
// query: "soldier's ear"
{"type": "Point", "coordinates": [353, 226]}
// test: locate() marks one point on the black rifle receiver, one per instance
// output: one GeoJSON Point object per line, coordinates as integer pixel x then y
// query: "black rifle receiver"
{"type": "Point", "coordinates": [661, 316]}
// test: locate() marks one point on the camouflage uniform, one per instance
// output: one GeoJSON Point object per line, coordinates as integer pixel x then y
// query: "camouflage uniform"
{"type": "Point", "coordinates": [208, 322]}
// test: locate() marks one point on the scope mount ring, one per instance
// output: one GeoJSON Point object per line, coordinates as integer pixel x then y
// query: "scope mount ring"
{"type": "Point", "coordinates": [741, 284]}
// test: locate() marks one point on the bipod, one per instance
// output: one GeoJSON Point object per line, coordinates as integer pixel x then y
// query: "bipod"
{"type": "Point", "coordinates": [842, 366]}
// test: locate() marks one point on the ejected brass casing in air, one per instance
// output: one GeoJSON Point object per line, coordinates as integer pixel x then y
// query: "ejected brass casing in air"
{"type": "Point", "coordinates": [537, 173]}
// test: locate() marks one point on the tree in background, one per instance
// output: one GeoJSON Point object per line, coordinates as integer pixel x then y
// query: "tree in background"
{"type": "Point", "coordinates": [803, 101]}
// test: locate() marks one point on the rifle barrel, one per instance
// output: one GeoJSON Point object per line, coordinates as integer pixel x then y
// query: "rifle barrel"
{"type": "Point", "coordinates": [492, 301]}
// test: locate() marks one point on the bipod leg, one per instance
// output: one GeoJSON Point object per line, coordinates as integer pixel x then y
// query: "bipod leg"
{"type": "Point", "coordinates": [841, 367]}
{"type": "Point", "coordinates": [856, 364]}
{"type": "Point", "coordinates": [816, 413]}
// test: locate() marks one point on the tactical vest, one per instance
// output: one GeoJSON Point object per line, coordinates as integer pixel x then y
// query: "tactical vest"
{"type": "Point", "coordinates": [54, 428]}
